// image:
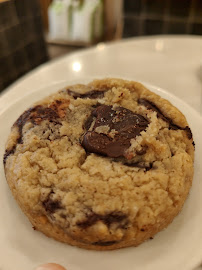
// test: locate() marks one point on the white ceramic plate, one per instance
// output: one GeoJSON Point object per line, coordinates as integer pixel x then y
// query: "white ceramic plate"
{"type": "Point", "coordinates": [179, 247]}
{"type": "Point", "coordinates": [170, 62]}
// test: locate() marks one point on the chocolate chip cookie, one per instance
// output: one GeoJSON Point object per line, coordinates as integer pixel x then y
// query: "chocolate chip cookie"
{"type": "Point", "coordinates": [100, 166]}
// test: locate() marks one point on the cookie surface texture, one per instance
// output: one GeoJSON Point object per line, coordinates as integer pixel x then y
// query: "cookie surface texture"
{"type": "Point", "coordinates": [100, 166]}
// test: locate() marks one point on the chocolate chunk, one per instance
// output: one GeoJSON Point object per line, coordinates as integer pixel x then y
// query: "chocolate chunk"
{"type": "Point", "coordinates": [105, 244]}
{"type": "Point", "coordinates": [122, 125]}
{"type": "Point", "coordinates": [142, 151]}
{"type": "Point", "coordinates": [90, 119]}
{"type": "Point", "coordinates": [91, 94]}
{"type": "Point", "coordinates": [51, 205]}
{"type": "Point", "coordinates": [35, 115]}
{"type": "Point", "coordinates": [91, 220]}
{"type": "Point", "coordinates": [63, 216]}
{"type": "Point", "coordinates": [151, 106]}
{"type": "Point", "coordinates": [40, 113]}
{"type": "Point", "coordinates": [20, 122]}
{"type": "Point", "coordinates": [142, 165]}
{"type": "Point", "coordinates": [96, 105]}
{"type": "Point", "coordinates": [8, 152]}
{"type": "Point", "coordinates": [189, 133]}
{"type": "Point", "coordinates": [88, 122]}
{"type": "Point", "coordinates": [11, 151]}
{"type": "Point", "coordinates": [114, 217]}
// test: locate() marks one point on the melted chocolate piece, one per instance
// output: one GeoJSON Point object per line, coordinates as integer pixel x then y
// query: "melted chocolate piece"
{"type": "Point", "coordinates": [142, 151]}
{"type": "Point", "coordinates": [142, 165]}
{"type": "Point", "coordinates": [114, 217]}
{"type": "Point", "coordinates": [125, 125]}
{"type": "Point", "coordinates": [51, 205]}
{"type": "Point", "coordinates": [20, 122]}
{"type": "Point", "coordinates": [7, 153]}
{"type": "Point", "coordinates": [35, 115]}
{"type": "Point", "coordinates": [91, 94]}
{"type": "Point", "coordinates": [96, 105]}
{"type": "Point", "coordinates": [91, 220]}
{"type": "Point", "coordinates": [105, 244]}
{"type": "Point", "coordinates": [188, 131]}
{"type": "Point", "coordinates": [88, 122]}
{"type": "Point", "coordinates": [151, 106]}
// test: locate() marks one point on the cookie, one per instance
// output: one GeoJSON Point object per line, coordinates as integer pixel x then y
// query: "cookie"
{"type": "Point", "coordinates": [100, 166]}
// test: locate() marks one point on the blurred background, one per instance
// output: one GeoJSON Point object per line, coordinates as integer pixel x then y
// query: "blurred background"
{"type": "Point", "coordinates": [33, 32]}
